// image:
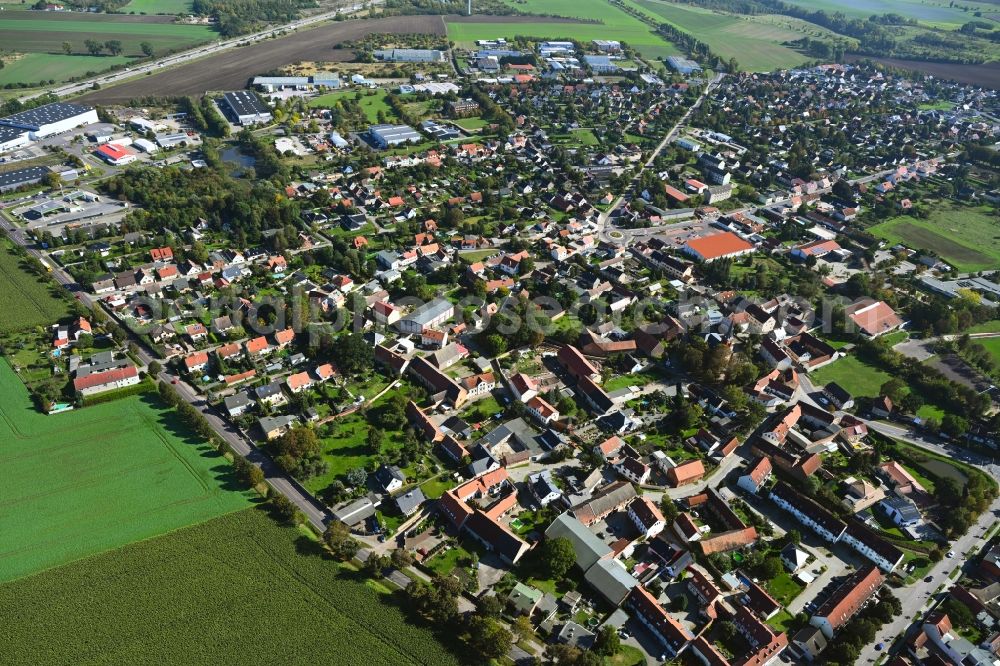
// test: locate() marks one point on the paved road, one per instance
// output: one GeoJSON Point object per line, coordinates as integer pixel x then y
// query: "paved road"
{"type": "Point", "coordinates": [317, 514]}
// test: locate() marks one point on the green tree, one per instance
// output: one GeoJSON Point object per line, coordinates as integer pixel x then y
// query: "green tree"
{"type": "Point", "coordinates": [283, 508]}
{"type": "Point", "coordinates": [114, 46]}
{"type": "Point", "coordinates": [352, 354]}
{"type": "Point", "coordinates": [340, 542]}
{"type": "Point", "coordinates": [67, 48]}
{"type": "Point", "coordinates": [94, 47]}
{"type": "Point", "coordinates": [154, 368]}
{"type": "Point", "coordinates": [147, 49]}
{"type": "Point", "coordinates": [488, 638]}
{"type": "Point", "coordinates": [607, 642]}
{"type": "Point", "coordinates": [557, 557]}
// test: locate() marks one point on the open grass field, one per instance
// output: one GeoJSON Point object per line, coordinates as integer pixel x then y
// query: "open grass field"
{"type": "Point", "coordinates": [966, 237]}
{"type": "Point", "coordinates": [38, 32]}
{"type": "Point", "coordinates": [159, 6]}
{"type": "Point", "coordinates": [613, 24]}
{"type": "Point", "coordinates": [24, 301]}
{"type": "Point", "coordinates": [755, 41]}
{"type": "Point", "coordinates": [992, 326]}
{"type": "Point", "coordinates": [992, 346]}
{"type": "Point", "coordinates": [239, 588]}
{"type": "Point", "coordinates": [860, 379]}
{"type": "Point", "coordinates": [90, 480]}
{"type": "Point", "coordinates": [44, 67]}
{"type": "Point", "coordinates": [371, 104]}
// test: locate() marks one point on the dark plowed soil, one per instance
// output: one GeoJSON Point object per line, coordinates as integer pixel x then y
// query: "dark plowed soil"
{"type": "Point", "coordinates": [987, 75]}
{"type": "Point", "coordinates": [232, 69]}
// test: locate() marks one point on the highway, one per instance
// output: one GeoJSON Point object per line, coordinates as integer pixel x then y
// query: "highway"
{"type": "Point", "coordinates": [202, 51]}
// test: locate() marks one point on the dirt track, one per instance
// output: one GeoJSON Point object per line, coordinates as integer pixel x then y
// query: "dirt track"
{"type": "Point", "coordinates": [987, 75]}
{"type": "Point", "coordinates": [232, 69]}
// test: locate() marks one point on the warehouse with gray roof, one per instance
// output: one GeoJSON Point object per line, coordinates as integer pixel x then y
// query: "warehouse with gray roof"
{"type": "Point", "coordinates": [49, 119]}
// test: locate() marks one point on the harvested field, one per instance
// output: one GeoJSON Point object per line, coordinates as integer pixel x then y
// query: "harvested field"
{"type": "Point", "coordinates": [232, 69]}
{"type": "Point", "coordinates": [981, 75]}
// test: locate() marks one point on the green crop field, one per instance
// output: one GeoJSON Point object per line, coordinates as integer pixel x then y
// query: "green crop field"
{"type": "Point", "coordinates": [239, 588]}
{"type": "Point", "coordinates": [159, 7]}
{"type": "Point", "coordinates": [966, 237]}
{"type": "Point", "coordinates": [34, 32]}
{"type": "Point", "coordinates": [755, 41]}
{"type": "Point", "coordinates": [44, 67]}
{"type": "Point", "coordinates": [24, 300]}
{"type": "Point", "coordinates": [614, 24]}
{"type": "Point", "coordinates": [938, 13]}
{"type": "Point", "coordinates": [89, 480]}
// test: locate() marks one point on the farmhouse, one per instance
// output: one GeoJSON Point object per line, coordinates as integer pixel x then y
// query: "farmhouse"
{"type": "Point", "coordinates": [874, 318]}
{"type": "Point", "coordinates": [245, 108]}
{"type": "Point", "coordinates": [49, 119]}
{"type": "Point", "coordinates": [104, 373]}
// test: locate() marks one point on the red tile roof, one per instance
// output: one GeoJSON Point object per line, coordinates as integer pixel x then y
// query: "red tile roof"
{"type": "Point", "coordinates": [718, 245]}
{"type": "Point", "coordinates": [106, 377]}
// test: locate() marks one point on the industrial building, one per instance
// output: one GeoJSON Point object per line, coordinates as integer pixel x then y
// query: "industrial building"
{"type": "Point", "coordinates": [439, 132]}
{"type": "Point", "coordinates": [245, 108]}
{"type": "Point", "coordinates": [607, 45]}
{"type": "Point", "coordinates": [386, 136]}
{"type": "Point", "coordinates": [50, 119]}
{"type": "Point", "coordinates": [683, 65]}
{"type": "Point", "coordinates": [115, 154]}
{"type": "Point", "coordinates": [600, 64]}
{"type": "Point", "coordinates": [410, 55]}
{"type": "Point", "coordinates": [15, 179]}
{"type": "Point", "coordinates": [12, 137]}
{"type": "Point", "coordinates": [273, 83]}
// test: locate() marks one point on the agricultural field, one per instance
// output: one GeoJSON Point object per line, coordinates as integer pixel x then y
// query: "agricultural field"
{"type": "Point", "coordinates": [35, 32]}
{"type": "Point", "coordinates": [159, 7]}
{"type": "Point", "coordinates": [964, 236]}
{"type": "Point", "coordinates": [938, 13]}
{"type": "Point", "coordinates": [24, 300]}
{"type": "Point", "coordinates": [755, 41]}
{"type": "Point", "coordinates": [31, 68]}
{"type": "Point", "coordinates": [90, 480]}
{"type": "Point", "coordinates": [613, 24]}
{"type": "Point", "coordinates": [197, 596]}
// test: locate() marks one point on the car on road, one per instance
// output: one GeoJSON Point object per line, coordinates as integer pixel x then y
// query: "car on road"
{"type": "Point", "coordinates": [928, 579]}
{"type": "Point", "coordinates": [879, 646]}
{"type": "Point", "coordinates": [951, 554]}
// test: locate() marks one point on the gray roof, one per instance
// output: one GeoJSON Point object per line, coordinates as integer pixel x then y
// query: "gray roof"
{"type": "Point", "coordinates": [269, 423]}
{"type": "Point", "coordinates": [355, 512]}
{"type": "Point", "coordinates": [47, 114]}
{"type": "Point", "coordinates": [236, 401]}
{"type": "Point", "coordinates": [19, 177]}
{"type": "Point", "coordinates": [611, 580]}
{"type": "Point", "coordinates": [431, 310]}
{"type": "Point", "coordinates": [409, 502]}
{"type": "Point", "coordinates": [587, 546]}
{"type": "Point", "coordinates": [245, 103]}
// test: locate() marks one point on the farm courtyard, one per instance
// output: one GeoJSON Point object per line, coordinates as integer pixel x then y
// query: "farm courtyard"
{"type": "Point", "coordinates": [90, 480]}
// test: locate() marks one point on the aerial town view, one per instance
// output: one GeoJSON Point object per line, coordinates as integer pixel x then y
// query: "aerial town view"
{"type": "Point", "coordinates": [467, 332]}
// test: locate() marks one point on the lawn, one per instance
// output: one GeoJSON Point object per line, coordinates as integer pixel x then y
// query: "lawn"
{"type": "Point", "coordinates": [25, 300]}
{"type": "Point", "coordinates": [40, 68]}
{"type": "Point", "coordinates": [90, 480]}
{"type": "Point", "coordinates": [755, 41]}
{"type": "Point", "coordinates": [992, 346]}
{"type": "Point", "coordinates": [236, 589]}
{"type": "Point", "coordinates": [159, 7]}
{"type": "Point", "coordinates": [612, 23]}
{"type": "Point", "coordinates": [858, 378]}
{"type": "Point", "coordinates": [628, 656]}
{"type": "Point", "coordinates": [371, 102]}
{"type": "Point", "coordinates": [992, 326]}
{"type": "Point", "coordinates": [472, 256]}
{"type": "Point", "coordinates": [471, 123]}
{"type": "Point", "coordinates": [967, 237]}
{"type": "Point", "coordinates": [448, 560]}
